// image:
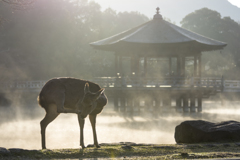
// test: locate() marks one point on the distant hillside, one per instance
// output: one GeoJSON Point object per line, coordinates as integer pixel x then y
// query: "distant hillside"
{"type": "Point", "coordinates": [181, 8]}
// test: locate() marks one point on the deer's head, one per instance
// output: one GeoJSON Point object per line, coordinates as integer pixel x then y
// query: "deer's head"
{"type": "Point", "coordinates": [88, 102]}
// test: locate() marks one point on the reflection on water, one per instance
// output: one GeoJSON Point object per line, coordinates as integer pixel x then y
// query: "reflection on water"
{"type": "Point", "coordinates": [24, 131]}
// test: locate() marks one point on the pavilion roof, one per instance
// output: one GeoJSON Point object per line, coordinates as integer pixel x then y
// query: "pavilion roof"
{"type": "Point", "coordinates": [159, 35]}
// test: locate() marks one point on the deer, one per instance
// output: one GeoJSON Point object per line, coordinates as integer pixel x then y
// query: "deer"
{"type": "Point", "coordinates": [71, 95]}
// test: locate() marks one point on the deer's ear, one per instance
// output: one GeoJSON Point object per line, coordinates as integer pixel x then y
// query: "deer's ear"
{"type": "Point", "coordinates": [86, 88]}
{"type": "Point", "coordinates": [101, 90]}
{"type": "Point", "coordinates": [98, 93]}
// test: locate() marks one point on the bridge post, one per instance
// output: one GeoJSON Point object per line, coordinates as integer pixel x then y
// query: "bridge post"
{"type": "Point", "coordinates": [123, 104]}
{"type": "Point", "coordinates": [136, 105]}
{"type": "Point", "coordinates": [192, 103]}
{"type": "Point", "coordinates": [179, 105]}
{"type": "Point", "coordinates": [223, 101]}
{"type": "Point", "coordinates": [147, 104]}
{"type": "Point", "coordinates": [116, 107]}
{"type": "Point", "coordinates": [157, 107]}
{"type": "Point", "coordinates": [185, 104]}
{"type": "Point", "coordinates": [199, 108]}
{"type": "Point", "coordinates": [222, 84]}
{"type": "Point", "coordinates": [167, 103]}
{"type": "Point", "coordinates": [129, 106]}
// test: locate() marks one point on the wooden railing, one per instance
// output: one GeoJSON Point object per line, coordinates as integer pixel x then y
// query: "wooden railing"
{"type": "Point", "coordinates": [226, 85]}
{"type": "Point", "coordinates": [159, 82]}
{"type": "Point", "coordinates": [22, 85]}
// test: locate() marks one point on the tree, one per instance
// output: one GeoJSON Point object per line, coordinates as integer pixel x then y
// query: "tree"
{"type": "Point", "coordinates": [51, 39]}
{"type": "Point", "coordinates": [210, 24]}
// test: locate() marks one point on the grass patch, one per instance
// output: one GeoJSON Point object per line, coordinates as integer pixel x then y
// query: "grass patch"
{"type": "Point", "coordinates": [132, 151]}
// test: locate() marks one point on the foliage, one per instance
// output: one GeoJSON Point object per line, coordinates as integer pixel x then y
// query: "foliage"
{"type": "Point", "coordinates": [210, 24]}
{"type": "Point", "coordinates": [51, 39]}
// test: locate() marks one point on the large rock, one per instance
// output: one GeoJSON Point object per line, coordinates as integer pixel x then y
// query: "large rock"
{"type": "Point", "coordinates": [203, 131]}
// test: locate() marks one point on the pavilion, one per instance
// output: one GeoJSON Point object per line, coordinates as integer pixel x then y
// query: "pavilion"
{"type": "Point", "coordinates": [158, 38]}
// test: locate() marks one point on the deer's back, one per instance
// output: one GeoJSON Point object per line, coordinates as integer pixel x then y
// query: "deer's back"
{"type": "Point", "coordinates": [71, 88]}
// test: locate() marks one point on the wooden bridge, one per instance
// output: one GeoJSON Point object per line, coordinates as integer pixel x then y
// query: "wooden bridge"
{"type": "Point", "coordinates": [134, 95]}
{"type": "Point", "coordinates": [111, 83]}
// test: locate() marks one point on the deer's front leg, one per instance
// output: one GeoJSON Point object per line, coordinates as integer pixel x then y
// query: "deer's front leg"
{"type": "Point", "coordinates": [81, 124]}
{"type": "Point", "coordinates": [92, 119]}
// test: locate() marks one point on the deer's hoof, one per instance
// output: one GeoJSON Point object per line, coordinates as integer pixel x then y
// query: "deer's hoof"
{"type": "Point", "coordinates": [98, 146]}
{"type": "Point", "coordinates": [83, 146]}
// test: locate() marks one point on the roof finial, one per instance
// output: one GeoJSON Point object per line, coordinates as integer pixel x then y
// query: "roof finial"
{"type": "Point", "coordinates": [157, 15]}
{"type": "Point", "coordinates": [157, 10]}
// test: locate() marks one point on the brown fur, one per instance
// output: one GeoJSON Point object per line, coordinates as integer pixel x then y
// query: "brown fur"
{"type": "Point", "coordinates": [70, 95]}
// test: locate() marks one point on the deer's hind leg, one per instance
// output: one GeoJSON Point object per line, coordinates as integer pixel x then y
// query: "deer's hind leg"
{"type": "Point", "coordinates": [81, 125]}
{"type": "Point", "coordinates": [51, 114]}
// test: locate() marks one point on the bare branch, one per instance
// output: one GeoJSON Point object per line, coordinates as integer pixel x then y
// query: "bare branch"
{"type": "Point", "coordinates": [19, 2]}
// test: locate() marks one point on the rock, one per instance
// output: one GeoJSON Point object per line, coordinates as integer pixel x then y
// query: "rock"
{"type": "Point", "coordinates": [130, 143]}
{"type": "Point", "coordinates": [127, 147]}
{"type": "Point", "coordinates": [90, 145]}
{"type": "Point", "coordinates": [193, 146]}
{"type": "Point", "coordinates": [109, 144]}
{"type": "Point", "coordinates": [226, 145]}
{"type": "Point", "coordinates": [15, 150]}
{"type": "Point", "coordinates": [184, 154]}
{"type": "Point", "coordinates": [163, 147]}
{"type": "Point", "coordinates": [4, 151]}
{"type": "Point", "coordinates": [202, 131]}
{"type": "Point", "coordinates": [210, 145]}
{"type": "Point", "coordinates": [237, 144]}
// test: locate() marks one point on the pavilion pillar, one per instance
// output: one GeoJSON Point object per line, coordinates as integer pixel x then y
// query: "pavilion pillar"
{"type": "Point", "coordinates": [137, 65]}
{"type": "Point", "coordinates": [133, 68]}
{"type": "Point", "coordinates": [200, 65]}
{"type": "Point", "coordinates": [178, 66]}
{"type": "Point", "coordinates": [116, 64]}
{"type": "Point", "coordinates": [170, 66]}
{"type": "Point", "coordinates": [183, 67]}
{"type": "Point", "coordinates": [120, 65]}
{"type": "Point", "coordinates": [195, 67]}
{"type": "Point", "coordinates": [134, 65]}
{"type": "Point", "coordinates": [145, 66]}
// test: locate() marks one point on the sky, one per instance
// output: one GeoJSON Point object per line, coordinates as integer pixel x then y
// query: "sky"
{"type": "Point", "coordinates": [131, 4]}
{"type": "Point", "coordinates": [235, 2]}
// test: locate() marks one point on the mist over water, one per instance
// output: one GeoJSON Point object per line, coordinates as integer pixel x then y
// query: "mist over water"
{"type": "Point", "coordinates": [23, 131]}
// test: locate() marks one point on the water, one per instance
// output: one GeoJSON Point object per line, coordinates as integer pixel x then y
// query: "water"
{"type": "Point", "coordinates": [20, 128]}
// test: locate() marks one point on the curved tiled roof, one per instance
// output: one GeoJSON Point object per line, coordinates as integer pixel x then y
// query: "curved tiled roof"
{"type": "Point", "coordinates": [158, 34]}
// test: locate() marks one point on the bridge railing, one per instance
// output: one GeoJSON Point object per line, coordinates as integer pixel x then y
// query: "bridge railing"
{"type": "Point", "coordinates": [22, 85]}
{"type": "Point", "coordinates": [158, 82]}
{"type": "Point", "coordinates": [138, 82]}
{"type": "Point", "coordinates": [232, 84]}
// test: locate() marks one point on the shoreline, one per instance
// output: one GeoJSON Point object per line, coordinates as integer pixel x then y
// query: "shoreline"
{"type": "Point", "coordinates": [129, 150]}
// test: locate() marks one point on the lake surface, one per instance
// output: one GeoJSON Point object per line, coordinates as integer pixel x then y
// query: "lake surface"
{"type": "Point", "coordinates": [20, 128]}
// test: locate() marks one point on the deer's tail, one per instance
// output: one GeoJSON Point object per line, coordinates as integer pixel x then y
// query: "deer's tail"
{"type": "Point", "coordinates": [40, 100]}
